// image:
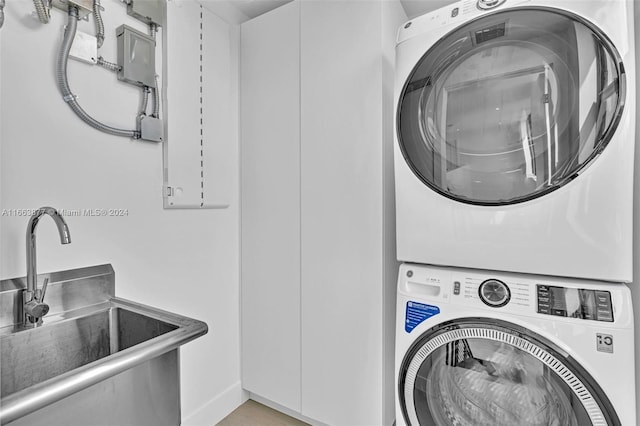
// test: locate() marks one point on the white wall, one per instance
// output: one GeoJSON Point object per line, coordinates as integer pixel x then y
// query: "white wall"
{"type": "Point", "coordinates": [184, 261]}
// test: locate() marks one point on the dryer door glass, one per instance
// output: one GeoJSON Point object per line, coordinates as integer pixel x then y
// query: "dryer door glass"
{"type": "Point", "coordinates": [510, 106]}
{"type": "Point", "coordinates": [486, 374]}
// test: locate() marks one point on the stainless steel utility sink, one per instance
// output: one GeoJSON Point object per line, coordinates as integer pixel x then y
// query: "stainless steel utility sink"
{"type": "Point", "coordinates": [119, 352]}
{"type": "Point", "coordinates": [36, 355]}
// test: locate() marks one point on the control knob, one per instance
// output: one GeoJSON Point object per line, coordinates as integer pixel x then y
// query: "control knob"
{"type": "Point", "coordinates": [494, 293]}
{"type": "Point", "coordinates": [489, 4]}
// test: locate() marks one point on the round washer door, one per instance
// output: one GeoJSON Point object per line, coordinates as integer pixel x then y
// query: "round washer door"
{"type": "Point", "coordinates": [510, 106]}
{"type": "Point", "coordinates": [480, 371]}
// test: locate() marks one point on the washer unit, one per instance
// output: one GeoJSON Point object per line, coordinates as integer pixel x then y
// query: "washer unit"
{"type": "Point", "coordinates": [515, 137]}
{"type": "Point", "coordinates": [477, 348]}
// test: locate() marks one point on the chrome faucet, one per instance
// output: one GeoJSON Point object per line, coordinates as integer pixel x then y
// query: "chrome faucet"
{"type": "Point", "coordinates": [34, 307]}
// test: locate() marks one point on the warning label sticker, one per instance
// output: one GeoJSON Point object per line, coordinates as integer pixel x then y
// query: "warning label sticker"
{"type": "Point", "coordinates": [416, 313]}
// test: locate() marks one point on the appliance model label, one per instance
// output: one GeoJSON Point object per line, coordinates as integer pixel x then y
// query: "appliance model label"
{"type": "Point", "coordinates": [604, 343]}
{"type": "Point", "coordinates": [416, 313]}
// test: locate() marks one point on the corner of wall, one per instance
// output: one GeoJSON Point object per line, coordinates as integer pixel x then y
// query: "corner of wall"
{"type": "Point", "coordinates": [218, 408]}
{"type": "Point", "coordinates": [393, 15]}
{"type": "Point", "coordinates": [635, 286]}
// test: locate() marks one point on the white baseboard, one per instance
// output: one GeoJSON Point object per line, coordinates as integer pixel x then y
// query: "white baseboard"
{"type": "Point", "coordinates": [218, 408]}
{"type": "Point", "coordinates": [285, 410]}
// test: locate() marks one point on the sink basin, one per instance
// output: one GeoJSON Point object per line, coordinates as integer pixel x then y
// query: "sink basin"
{"type": "Point", "coordinates": [36, 355]}
{"type": "Point", "coordinates": [92, 346]}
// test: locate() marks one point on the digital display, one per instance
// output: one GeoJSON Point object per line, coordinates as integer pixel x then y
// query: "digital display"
{"type": "Point", "coordinates": [575, 303]}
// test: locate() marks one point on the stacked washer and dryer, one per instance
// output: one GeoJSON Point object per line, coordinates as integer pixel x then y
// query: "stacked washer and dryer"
{"type": "Point", "coordinates": [514, 184]}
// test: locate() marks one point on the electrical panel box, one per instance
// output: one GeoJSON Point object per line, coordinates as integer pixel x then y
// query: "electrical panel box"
{"type": "Point", "coordinates": [148, 11]}
{"type": "Point", "coordinates": [136, 57]}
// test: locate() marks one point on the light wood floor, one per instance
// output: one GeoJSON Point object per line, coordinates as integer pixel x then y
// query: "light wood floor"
{"type": "Point", "coordinates": [253, 414]}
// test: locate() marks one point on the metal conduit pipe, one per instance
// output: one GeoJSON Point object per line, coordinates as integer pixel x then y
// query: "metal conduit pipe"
{"type": "Point", "coordinates": [97, 17]}
{"type": "Point", "coordinates": [63, 82]}
{"type": "Point", "coordinates": [1, 13]}
{"type": "Point", "coordinates": [108, 65]}
{"type": "Point", "coordinates": [42, 10]}
{"type": "Point", "coordinates": [155, 100]}
{"type": "Point", "coordinates": [145, 100]}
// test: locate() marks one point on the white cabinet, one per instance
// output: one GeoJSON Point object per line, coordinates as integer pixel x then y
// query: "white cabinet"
{"type": "Point", "coordinates": [318, 256]}
{"type": "Point", "coordinates": [270, 192]}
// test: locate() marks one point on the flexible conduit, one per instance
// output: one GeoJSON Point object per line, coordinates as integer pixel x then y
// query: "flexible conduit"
{"type": "Point", "coordinates": [97, 17]}
{"type": "Point", "coordinates": [108, 65]}
{"type": "Point", "coordinates": [63, 82]}
{"type": "Point", "coordinates": [155, 100]}
{"type": "Point", "coordinates": [1, 13]}
{"type": "Point", "coordinates": [42, 10]}
{"type": "Point", "coordinates": [145, 101]}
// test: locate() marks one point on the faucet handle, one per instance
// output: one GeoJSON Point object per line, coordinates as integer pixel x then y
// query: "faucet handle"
{"type": "Point", "coordinates": [40, 293]}
{"type": "Point", "coordinates": [35, 309]}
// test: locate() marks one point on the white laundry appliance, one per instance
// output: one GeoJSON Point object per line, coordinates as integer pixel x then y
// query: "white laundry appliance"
{"type": "Point", "coordinates": [476, 348]}
{"type": "Point", "coordinates": [515, 137]}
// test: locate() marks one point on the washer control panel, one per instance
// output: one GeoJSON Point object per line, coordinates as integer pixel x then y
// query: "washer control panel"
{"type": "Point", "coordinates": [494, 293]}
{"type": "Point", "coordinates": [547, 298]}
{"type": "Point", "coordinates": [575, 303]}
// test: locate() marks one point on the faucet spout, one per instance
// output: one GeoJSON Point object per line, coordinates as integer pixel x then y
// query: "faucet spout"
{"type": "Point", "coordinates": [34, 306]}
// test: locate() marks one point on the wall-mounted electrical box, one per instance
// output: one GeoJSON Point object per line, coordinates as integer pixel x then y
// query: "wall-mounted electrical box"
{"type": "Point", "coordinates": [136, 57]}
{"type": "Point", "coordinates": [85, 7]}
{"type": "Point", "coordinates": [148, 11]}
{"type": "Point", "coordinates": [84, 48]}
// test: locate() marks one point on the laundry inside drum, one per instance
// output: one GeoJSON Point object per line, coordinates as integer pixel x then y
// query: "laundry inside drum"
{"type": "Point", "coordinates": [474, 382]}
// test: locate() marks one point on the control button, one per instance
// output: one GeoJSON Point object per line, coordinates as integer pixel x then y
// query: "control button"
{"type": "Point", "coordinates": [543, 310]}
{"type": "Point", "coordinates": [604, 315]}
{"type": "Point", "coordinates": [604, 310]}
{"type": "Point", "coordinates": [559, 312]}
{"type": "Point", "coordinates": [494, 293]}
{"type": "Point", "coordinates": [454, 12]}
{"type": "Point", "coordinates": [456, 288]}
{"type": "Point", "coordinates": [603, 298]}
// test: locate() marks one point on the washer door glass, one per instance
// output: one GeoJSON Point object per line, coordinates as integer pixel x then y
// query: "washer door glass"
{"type": "Point", "coordinates": [486, 375]}
{"type": "Point", "coordinates": [510, 106]}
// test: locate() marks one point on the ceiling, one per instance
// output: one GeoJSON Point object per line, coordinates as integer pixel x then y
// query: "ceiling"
{"type": "Point", "coordinates": [413, 8]}
{"type": "Point", "coordinates": [253, 8]}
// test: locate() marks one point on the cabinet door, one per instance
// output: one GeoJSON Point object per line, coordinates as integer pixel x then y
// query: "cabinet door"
{"type": "Point", "coordinates": [270, 169]}
{"type": "Point", "coordinates": [342, 204]}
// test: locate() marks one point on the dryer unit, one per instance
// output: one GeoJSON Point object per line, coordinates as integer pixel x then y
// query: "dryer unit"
{"type": "Point", "coordinates": [515, 137]}
{"type": "Point", "coordinates": [482, 348]}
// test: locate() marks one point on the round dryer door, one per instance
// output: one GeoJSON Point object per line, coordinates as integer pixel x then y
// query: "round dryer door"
{"type": "Point", "coordinates": [510, 106]}
{"type": "Point", "coordinates": [477, 372]}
